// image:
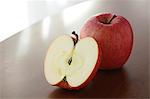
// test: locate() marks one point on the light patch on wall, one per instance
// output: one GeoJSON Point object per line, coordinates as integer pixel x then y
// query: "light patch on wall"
{"type": "Point", "coordinates": [74, 13]}
{"type": "Point", "coordinates": [23, 43]}
{"type": "Point", "coordinates": [13, 17]}
{"type": "Point", "coordinates": [45, 28]}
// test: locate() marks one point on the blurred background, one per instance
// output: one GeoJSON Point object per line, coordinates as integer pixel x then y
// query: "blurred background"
{"type": "Point", "coordinates": [16, 15]}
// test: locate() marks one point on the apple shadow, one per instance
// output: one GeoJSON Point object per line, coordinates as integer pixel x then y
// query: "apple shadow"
{"type": "Point", "coordinates": [106, 84]}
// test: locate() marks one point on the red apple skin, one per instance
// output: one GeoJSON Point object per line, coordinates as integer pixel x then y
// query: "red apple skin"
{"type": "Point", "coordinates": [65, 85]}
{"type": "Point", "coordinates": [114, 35]}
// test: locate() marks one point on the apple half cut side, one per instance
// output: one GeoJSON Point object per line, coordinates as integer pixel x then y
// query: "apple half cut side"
{"type": "Point", "coordinates": [71, 63]}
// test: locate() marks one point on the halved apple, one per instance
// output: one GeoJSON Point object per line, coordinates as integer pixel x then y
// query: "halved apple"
{"type": "Point", "coordinates": [71, 63]}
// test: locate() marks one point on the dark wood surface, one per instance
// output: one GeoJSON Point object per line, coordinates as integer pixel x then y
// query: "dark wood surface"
{"type": "Point", "coordinates": [22, 55]}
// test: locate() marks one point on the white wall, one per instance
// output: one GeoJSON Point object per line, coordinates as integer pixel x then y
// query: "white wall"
{"type": "Point", "coordinates": [16, 15]}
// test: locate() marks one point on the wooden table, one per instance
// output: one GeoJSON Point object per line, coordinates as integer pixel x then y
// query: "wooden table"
{"type": "Point", "coordinates": [22, 55]}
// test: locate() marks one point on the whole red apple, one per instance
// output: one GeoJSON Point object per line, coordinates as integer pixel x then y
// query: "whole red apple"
{"type": "Point", "coordinates": [114, 35]}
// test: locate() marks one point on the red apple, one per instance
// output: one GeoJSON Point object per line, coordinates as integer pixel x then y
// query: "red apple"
{"type": "Point", "coordinates": [114, 35]}
{"type": "Point", "coordinates": [71, 63]}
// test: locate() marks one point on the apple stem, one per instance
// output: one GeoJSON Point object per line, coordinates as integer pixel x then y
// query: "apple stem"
{"type": "Point", "coordinates": [64, 79]}
{"type": "Point", "coordinates": [75, 40]}
{"type": "Point", "coordinates": [111, 19]}
{"type": "Point", "coordinates": [76, 37]}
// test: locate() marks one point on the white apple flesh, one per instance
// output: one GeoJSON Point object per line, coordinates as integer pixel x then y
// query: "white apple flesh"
{"type": "Point", "coordinates": [69, 65]}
